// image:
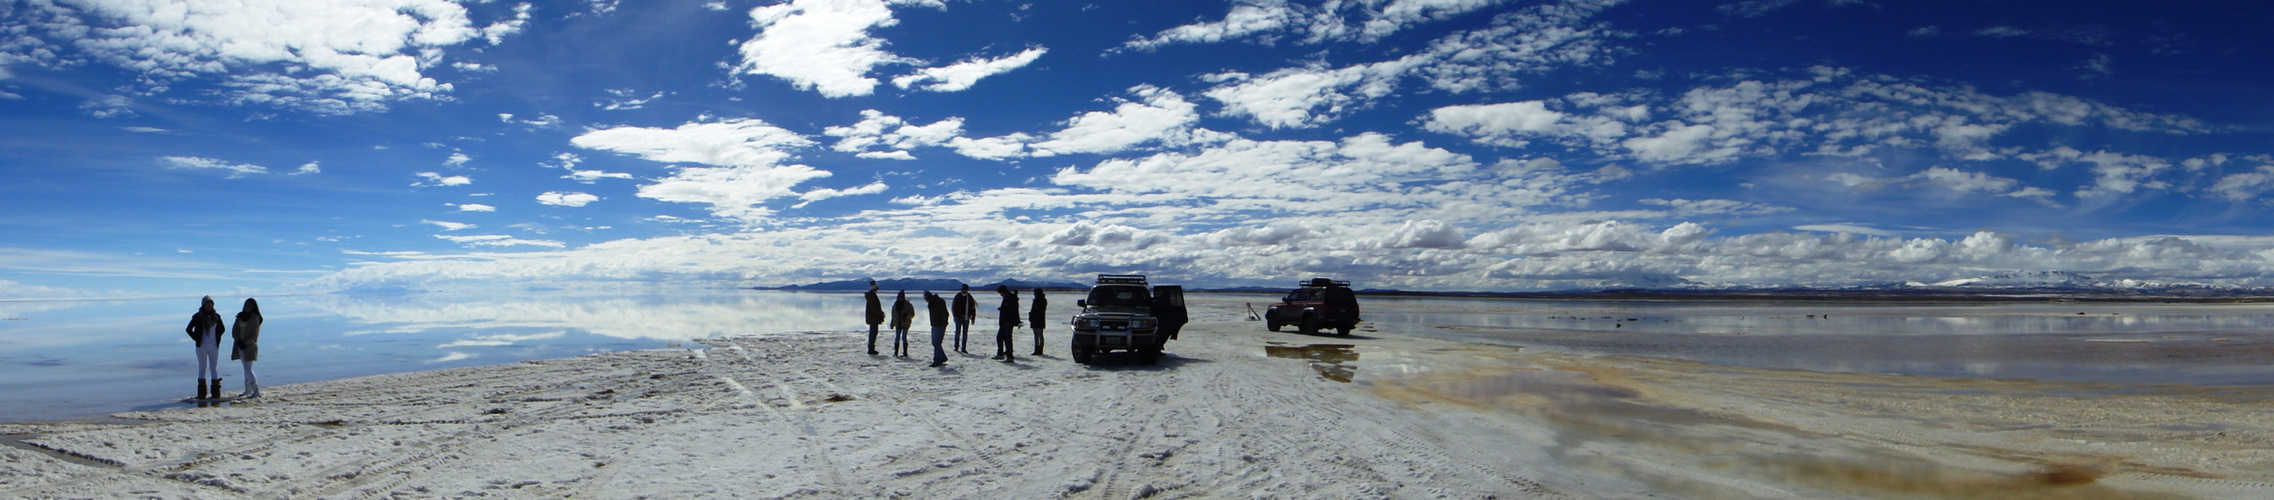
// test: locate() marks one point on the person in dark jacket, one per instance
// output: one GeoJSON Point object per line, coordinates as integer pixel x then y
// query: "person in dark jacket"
{"type": "Point", "coordinates": [903, 316]}
{"type": "Point", "coordinates": [205, 329]}
{"type": "Point", "coordinates": [875, 315]}
{"type": "Point", "coordinates": [1036, 317]}
{"type": "Point", "coordinates": [939, 309]}
{"type": "Point", "coordinates": [966, 311]}
{"type": "Point", "coordinates": [1009, 316]}
{"type": "Point", "coordinates": [247, 334]}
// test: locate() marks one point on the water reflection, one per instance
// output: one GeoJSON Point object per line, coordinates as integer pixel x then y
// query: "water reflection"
{"type": "Point", "coordinates": [2214, 344]}
{"type": "Point", "coordinates": [1609, 428]}
{"type": "Point", "coordinates": [673, 316]}
{"type": "Point", "coordinates": [1332, 360]}
{"type": "Point", "coordinates": [80, 358]}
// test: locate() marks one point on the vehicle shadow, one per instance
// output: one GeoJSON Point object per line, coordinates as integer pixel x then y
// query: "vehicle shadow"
{"type": "Point", "coordinates": [1128, 361]}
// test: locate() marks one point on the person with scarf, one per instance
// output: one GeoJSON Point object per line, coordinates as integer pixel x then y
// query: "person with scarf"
{"type": "Point", "coordinates": [875, 315]}
{"type": "Point", "coordinates": [1008, 314]}
{"type": "Point", "coordinates": [939, 309]}
{"type": "Point", "coordinates": [247, 334]}
{"type": "Point", "coordinates": [1037, 317]}
{"type": "Point", "coordinates": [903, 316]}
{"type": "Point", "coordinates": [205, 329]}
{"type": "Point", "coordinates": [966, 311]}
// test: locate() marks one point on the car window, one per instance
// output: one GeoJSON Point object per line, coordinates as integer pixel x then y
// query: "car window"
{"type": "Point", "coordinates": [1120, 296]}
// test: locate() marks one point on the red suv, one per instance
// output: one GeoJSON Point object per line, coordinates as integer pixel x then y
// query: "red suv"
{"type": "Point", "coordinates": [1319, 304]}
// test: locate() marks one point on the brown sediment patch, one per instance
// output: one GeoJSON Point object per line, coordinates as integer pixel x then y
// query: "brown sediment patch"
{"type": "Point", "coordinates": [1619, 421]}
{"type": "Point", "coordinates": [1331, 361]}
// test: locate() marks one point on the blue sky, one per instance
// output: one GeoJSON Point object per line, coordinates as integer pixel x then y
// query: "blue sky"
{"type": "Point", "coordinates": [154, 147]}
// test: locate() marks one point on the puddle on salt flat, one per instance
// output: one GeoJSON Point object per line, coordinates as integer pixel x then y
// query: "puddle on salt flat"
{"type": "Point", "coordinates": [1332, 361]}
{"type": "Point", "coordinates": [1600, 423]}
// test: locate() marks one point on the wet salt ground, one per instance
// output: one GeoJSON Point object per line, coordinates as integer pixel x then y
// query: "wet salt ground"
{"type": "Point", "coordinates": [2193, 344]}
{"type": "Point", "coordinates": [67, 359]}
{"type": "Point", "coordinates": [73, 359]}
{"type": "Point", "coordinates": [1594, 418]}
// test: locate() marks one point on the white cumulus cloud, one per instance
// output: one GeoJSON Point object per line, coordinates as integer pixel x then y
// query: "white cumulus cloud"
{"type": "Point", "coordinates": [822, 45]}
{"type": "Point", "coordinates": [433, 179]}
{"type": "Point", "coordinates": [323, 56]}
{"type": "Point", "coordinates": [566, 199]}
{"type": "Point", "coordinates": [740, 142]}
{"type": "Point", "coordinates": [962, 75]}
{"type": "Point", "coordinates": [747, 154]}
{"type": "Point", "coordinates": [1158, 117]}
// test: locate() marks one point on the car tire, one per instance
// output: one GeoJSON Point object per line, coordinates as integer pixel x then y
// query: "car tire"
{"type": "Point", "coordinates": [1310, 324]}
{"type": "Point", "coordinates": [1149, 356]}
{"type": "Point", "coordinates": [1270, 325]}
{"type": "Point", "coordinates": [1343, 331]}
{"type": "Point", "coordinates": [1082, 353]}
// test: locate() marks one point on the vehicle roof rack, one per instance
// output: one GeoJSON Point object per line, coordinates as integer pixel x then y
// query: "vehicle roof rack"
{"type": "Point", "coordinates": [1326, 282]}
{"type": "Point", "coordinates": [1121, 279]}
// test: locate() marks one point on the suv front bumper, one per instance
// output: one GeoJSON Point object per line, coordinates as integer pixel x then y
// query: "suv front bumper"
{"type": "Point", "coordinates": [1110, 339]}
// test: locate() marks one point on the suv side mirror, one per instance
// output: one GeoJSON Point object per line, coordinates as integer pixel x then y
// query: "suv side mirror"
{"type": "Point", "coordinates": [1082, 303]}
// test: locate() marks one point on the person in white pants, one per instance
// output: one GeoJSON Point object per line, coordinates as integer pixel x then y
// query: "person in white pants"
{"type": "Point", "coordinates": [247, 334]}
{"type": "Point", "coordinates": [205, 329]}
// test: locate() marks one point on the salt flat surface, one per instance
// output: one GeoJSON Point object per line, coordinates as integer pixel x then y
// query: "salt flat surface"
{"type": "Point", "coordinates": [1232, 412]}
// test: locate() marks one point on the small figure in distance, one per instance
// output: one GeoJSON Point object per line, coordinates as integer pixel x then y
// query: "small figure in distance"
{"type": "Point", "coordinates": [903, 316]}
{"type": "Point", "coordinates": [205, 329]}
{"type": "Point", "coordinates": [966, 311]}
{"type": "Point", "coordinates": [247, 334]}
{"type": "Point", "coordinates": [939, 309]}
{"type": "Point", "coordinates": [1009, 316]}
{"type": "Point", "coordinates": [875, 315]}
{"type": "Point", "coordinates": [1036, 317]}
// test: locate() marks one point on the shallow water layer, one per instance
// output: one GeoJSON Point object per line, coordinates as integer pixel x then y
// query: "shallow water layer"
{"type": "Point", "coordinates": [67, 359]}
{"type": "Point", "coordinates": [1332, 361]}
{"type": "Point", "coordinates": [1616, 430]}
{"type": "Point", "coordinates": [2195, 344]}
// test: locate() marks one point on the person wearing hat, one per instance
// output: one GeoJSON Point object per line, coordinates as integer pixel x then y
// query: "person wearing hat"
{"type": "Point", "coordinates": [205, 329]}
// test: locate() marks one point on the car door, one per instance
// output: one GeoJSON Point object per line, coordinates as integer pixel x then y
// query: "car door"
{"type": "Point", "coordinates": [1168, 307]}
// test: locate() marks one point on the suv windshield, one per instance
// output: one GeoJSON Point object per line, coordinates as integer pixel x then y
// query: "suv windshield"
{"type": "Point", "coordinates": [1120, 296]}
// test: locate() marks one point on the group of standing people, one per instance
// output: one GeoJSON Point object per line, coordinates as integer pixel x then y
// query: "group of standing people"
{"type": "Point", "coordinates": [961, 312]}
{"type": "Point", "coordinates": [205, 329]}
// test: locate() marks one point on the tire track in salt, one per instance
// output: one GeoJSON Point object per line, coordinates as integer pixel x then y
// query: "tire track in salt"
{"type": "Point", "coordinates": [1112, 487]}
{"type": "Point", "coordinates": [179, 470]}
{"type": "Point", "coordinates": [833, 472]}
{"type": "Point", "coordinates": [453, 446]}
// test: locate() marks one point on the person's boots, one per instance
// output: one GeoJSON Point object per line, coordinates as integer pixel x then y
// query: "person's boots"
{"type": "Point", "coordinates": [201, 389]}
{"type": "Point", "coordinates": [251, 390]}
{"type": "Point", "coordinates": [216, 389]}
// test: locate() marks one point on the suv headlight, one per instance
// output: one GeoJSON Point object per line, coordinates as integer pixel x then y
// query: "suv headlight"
{"type": "Point", "coordinates": [1087, 323]}
{"type": "Point", "coordinates": [1141, 324]}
